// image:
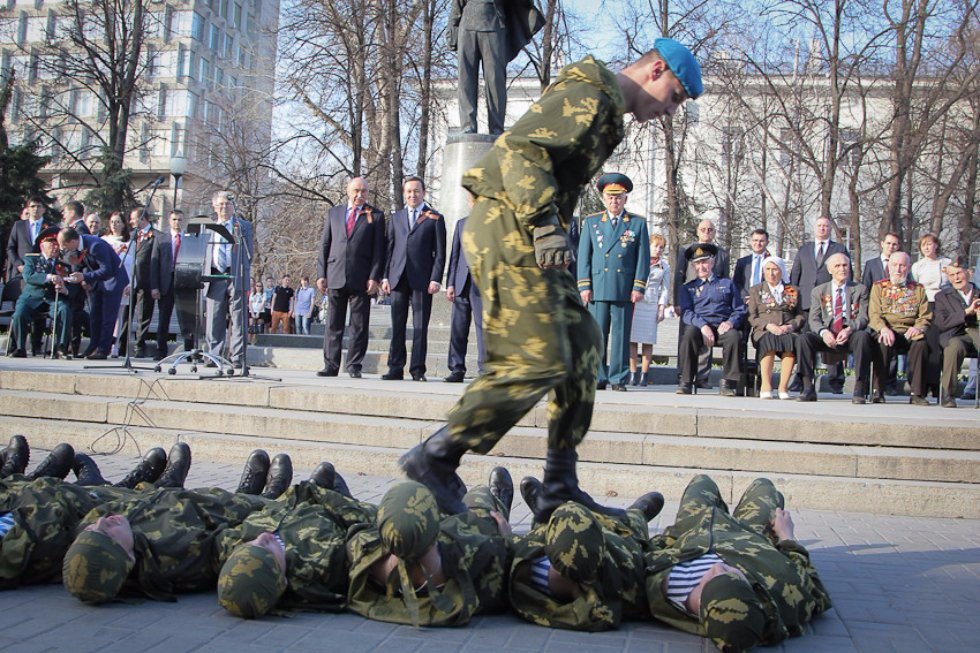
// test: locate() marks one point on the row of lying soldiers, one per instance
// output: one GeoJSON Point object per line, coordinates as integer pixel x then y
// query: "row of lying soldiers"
{"type": "Point", "coordinates": [739, 578]}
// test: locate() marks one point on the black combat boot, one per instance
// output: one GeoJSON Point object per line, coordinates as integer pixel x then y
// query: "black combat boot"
{"type": "Point", "coordinates": [561, 485]}
{"type": "Point", "coordinates": [433, 464]}
{"type": "Point", "coordinates": [255, 473]}
{"type": "Point", "coordinates": [147, 471]}
{"type": "Point", "coordinates": [57, 464]}
{"type": "Point", "coordinates": [280, 476]}
{"type": "Point", "coordinates": [650, 504]}
{"type": "Point", "coordinates": [340, 485]}
{"type": "Point", "coordinates": [531, 489]}
{"type": "Point", "coordinates": [86, 471]}
{"type": "Point", "coordinates": [502, 487]}
{"type": "Point", "coordinates": [324, 476]}
{"type": "Point", "coordinates": [14, 458]}
{"type": "Point", "coordinates": [178, 465]}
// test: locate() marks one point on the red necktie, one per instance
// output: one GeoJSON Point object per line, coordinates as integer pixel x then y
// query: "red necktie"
{"type": "Point", "coordinates": [176, 247]}
{"type": "Point", "coordinates": [351, 218]}
{"type": "Point", "coordinates": [838, 324]}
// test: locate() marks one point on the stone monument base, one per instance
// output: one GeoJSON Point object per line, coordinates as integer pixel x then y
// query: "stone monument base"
{"type": "Point", "coordinates": [462, 152]}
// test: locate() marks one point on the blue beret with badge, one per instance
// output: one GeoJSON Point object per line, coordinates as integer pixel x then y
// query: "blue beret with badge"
{"type": "Point", "coordinates": [682, 63]}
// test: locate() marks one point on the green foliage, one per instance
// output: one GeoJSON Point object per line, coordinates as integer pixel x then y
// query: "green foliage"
{"type": "Point", "coordinates": [115, 191]}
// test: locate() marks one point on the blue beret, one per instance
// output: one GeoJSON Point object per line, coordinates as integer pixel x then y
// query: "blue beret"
{"type": "Point", "coordinates": [617, 183]}
{"type": "Point", "coordinates": [683, 64]}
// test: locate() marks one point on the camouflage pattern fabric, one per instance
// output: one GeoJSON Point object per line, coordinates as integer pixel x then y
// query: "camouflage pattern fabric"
{"type": "Point", "coordinates": [250, 583]}
{"type": "Point", "coordinates": [728, 600]}
{"type": "Point", "coordinates": [615, 591]}
{"type": "Point", "coordinates": [408, 520]}
{"type": "Point", "coordinates": [785, 583]}
{"type": "Point", "coordinates": [46, 513]}
{"type": "Point", "coordinates": [95, 568]}
{"type": "Point", "coordinates": [539, 338]}
{"type": "Point", "coordinates": [312, 523]}
{"type": "Point", "coordinates": [475, 559]}
{"type": "Point", "coordinates": [174, 532]}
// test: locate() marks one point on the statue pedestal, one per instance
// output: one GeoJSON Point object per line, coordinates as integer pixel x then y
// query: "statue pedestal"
{"type": "Point", "coordinates": [461, 152]}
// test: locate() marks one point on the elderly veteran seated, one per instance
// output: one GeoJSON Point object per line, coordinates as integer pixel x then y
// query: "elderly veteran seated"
{"type": "Point", "coordinates": [44, 290]}
{"type": "Point", "coordinates": [416, 566]}
{"type": "Point", "coordinates": [776, 320]}
{"type": "Point", "coordinates": [838, 320]}
{"type": "Point", "coordinates": [712, 310]}
{"type": "Point", "coordinates": [740, 579]}
{"type": "Point", "coordinates": [956, 318]}
{"type": "Point", "coordinates": [898, 313]}
{"type": "Point", "coordinates": [580, 569]}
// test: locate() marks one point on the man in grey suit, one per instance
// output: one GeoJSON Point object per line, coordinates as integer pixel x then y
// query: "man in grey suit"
{"type": "Point", "coordinates": [809, 271]}
{"type": "Point", "coordinates": [492, 32]}
{"type": "Point", "coordinates": [225, 297]}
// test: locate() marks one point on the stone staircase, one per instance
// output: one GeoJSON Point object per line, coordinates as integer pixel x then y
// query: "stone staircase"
{"type": "Point", "coordinates": [891, 459]}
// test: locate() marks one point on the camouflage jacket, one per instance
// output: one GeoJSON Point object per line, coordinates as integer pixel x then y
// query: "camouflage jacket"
{"type": "Point", "coordinates": [174, 532]}
{"type": "Point", "coordinates": [539, 166]}
{"type": "Point", "coordinates": [617, 593]}
{"type": "Point", "coordinates": [46, 513]}
{"type": "Point", "coordinates": [475, 559]}
{"type": "Point", "coordinates": [783, 578]}
{"type": "Point", "coordinates": [312, 523]}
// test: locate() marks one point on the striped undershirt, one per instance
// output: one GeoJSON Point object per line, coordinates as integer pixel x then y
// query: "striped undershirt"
{"type": "Point", "coordinates": [6, 522]}
{"type": "Point", "coordinates": [279, 539]}
{"type": "Point", "coordinates": [539, 575]}
{"type": "Point", "coordinates": [685, 576]}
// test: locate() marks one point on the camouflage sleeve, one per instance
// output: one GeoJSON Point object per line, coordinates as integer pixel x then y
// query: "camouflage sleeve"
{"type": "Point", "coordinates": [546, 137]}
{"type": "Point", "coordinates": [800, 557]}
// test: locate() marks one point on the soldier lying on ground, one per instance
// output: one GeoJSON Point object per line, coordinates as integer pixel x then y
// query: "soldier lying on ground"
{"type": "Point", "coordinates": [740, 579]}
{"type": "Point", "coordinates": [581, 569]}
{"type": "Point", "coordinates": [416, 566]}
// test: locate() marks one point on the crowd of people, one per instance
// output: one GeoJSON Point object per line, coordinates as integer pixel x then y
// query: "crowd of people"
{"type": "Point", "coordinates": [739, 577]}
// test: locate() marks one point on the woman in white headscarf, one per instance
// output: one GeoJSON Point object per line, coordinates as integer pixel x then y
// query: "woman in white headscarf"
{"type": "Point", "coordinates": [776, 319]}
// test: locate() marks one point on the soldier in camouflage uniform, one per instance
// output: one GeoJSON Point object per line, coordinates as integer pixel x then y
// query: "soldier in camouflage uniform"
{"type": "Point", "coordinates": [291, 554]}
{"type": "Point", "coordinates": [417, 567]}
{"type": "Point", "coordinates": [582, 570]}
{"type": "Point", "coordinates": [740, 579]}
{"type": "Point", "coordinates": [540, 340]}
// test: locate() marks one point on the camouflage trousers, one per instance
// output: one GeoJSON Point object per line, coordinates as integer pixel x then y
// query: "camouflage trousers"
{"type": "Point", "coordinates": [539, 338]}
{"type": "Point", "coordinates": [754, 510]}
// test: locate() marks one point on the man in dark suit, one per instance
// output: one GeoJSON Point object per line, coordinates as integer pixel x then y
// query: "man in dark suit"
{"type": "Point", "coordinates": [957, 307]}
{"type": "Point", "coordinates": [684, 272]}
{"type": "Point", "coordinates": [74, 216]}
{"type": "Point", "coordinates": [748, 269]}
{"type": "Point", "coordinates": [147, 274]}
{"type": "Point", "coordinates": [185, 299]}
{"type": "Point", "coordinates": [225, 298]}
{"type": "Point", "coordinates": [416, 259]}
{"type": "Point", "coordinates": [838, 320]}
{"type": "Point", "coordinates": [809, 271]}
{"type": "Point", "coordinates": [467, 307]}
{"type": "Point", "coordinates": [101, 273]}
{"type": "Point", "coordinates": [349, 269]}
{"type": "Point", "coordinates": [23, 241]}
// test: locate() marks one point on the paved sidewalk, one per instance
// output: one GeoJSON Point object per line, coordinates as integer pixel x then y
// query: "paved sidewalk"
{"type": "Point", "coordinates": [898, 584]}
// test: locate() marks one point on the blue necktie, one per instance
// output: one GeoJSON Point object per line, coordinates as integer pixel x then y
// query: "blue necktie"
{"type": "Point", "coordinates": [756, 272]}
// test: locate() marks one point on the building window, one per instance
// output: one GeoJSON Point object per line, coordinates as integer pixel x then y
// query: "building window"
{"type": "Point", "coordinates": [178, 138]}
{"type": "Point", "coordinates": [162, 102]}
{"type": "Point", "coordinates": [214, 38]}
{"type": "Point", "coordinates": [238, 16]}
{"type": "Point", "coordinates": [204, 72]}
{"type": "Point", "coordinates": [182, 60]}
{"type": "Point", "coordinates": [197, 27]}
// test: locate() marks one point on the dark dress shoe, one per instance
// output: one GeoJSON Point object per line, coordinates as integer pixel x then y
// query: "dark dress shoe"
{"type": "Point", "coordinates": [877, 397]}
{"type": "Point", "coordinates": [650, 504]}
{"type": "Point", "coordinates": [858, 400]}
{"type": "Point", "coordinates": [85, 354]}
{"type": "Point", "coordinates": [280, 476]}
{"type": "Point", "coordinates": [702, 384]}
{"type": "Point", "coordinates": [949, 402]}
{"type": "Point", "coordinates": [355, 374]}
{"type": "Point", "coordinates": [147, 471]}
{"type": "Point", "coordinates": [455, 377]}
{"type": "Point", "coordinates": [502, 487]}
{"type": "Point", "coordinates": [324, 476]}
{"type": "Point", "coordinates": [618, 387]}
{"type": "Point", "coordinates": [57, 464]}
{"type": "Point", "coordinates": [86, 471]}
{"type": "Point", "coordinates": [392, 376]}
{"type": "Point", "coordinates": [600, 385]}
{"type": "Point", "coordinates": [255, 473]}
{"type": "Point", "coordinates": [327, 372]}
{"type": "Point", "coordinates": [97, 356]}
{"type": "Point", "coordinates": [178, 465]}
{"type": "Point", "coordinates": [808, 395]}
{"type": "Point", "coordinates": [645, 380]}
{"type": "Point", "coordinates": [684, 389]}
{"type": "Point", "coordinates": [726, 390]}
{"type": "Point", "coordinates": [635, 378]}
{"type": "Point", "coordinates": [419, 377]}
{"type": "Point", "coordinates": [917, 400]}
{"type": "Point", "coordinates": [140, 352]}
{"type": "Point", "coordinates": [969, 396]}
{"type": "Point", "coordinates": [18, 353]}
{"type": "Point", "coordinates": [14, 458]}
{"type": "Point", "coordinates": [160, 355]}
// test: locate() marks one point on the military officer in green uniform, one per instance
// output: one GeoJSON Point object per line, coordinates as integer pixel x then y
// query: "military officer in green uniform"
{"type": "Point", "coordinates": [44, 287]}
{"type": "Point", "coordinates": [582, 570]}
{"type": "Point", "coordinates": [540, 339]}
{"type": "Point", "coordinates": [740, 579]}
{"type": "Point", "coordinates": [416, 566]}
{"type": "Point", "coordinates": [613, 266]}
{"type": "Point", "coordinates": [290, 554]}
